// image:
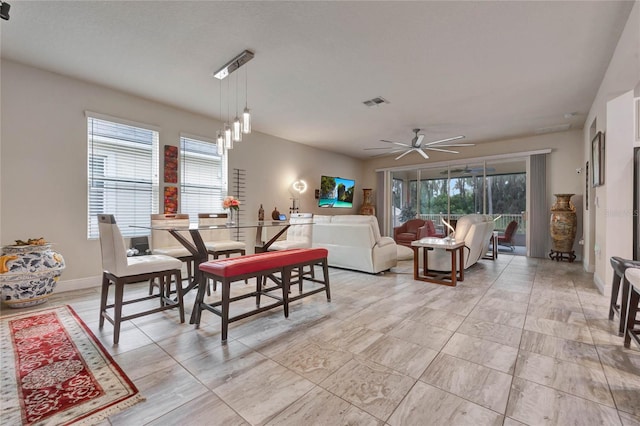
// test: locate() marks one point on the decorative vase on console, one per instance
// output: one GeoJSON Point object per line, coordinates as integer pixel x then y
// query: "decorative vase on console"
{"type": "Point", "coordinates": [563, 227]}
{"type": "Point", "coordinates": [367, 208]}
{"type": "Point", "coordinates": [29, 274]}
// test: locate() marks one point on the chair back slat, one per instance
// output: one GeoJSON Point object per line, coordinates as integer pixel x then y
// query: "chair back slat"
{"type": "Point", "coordinates": [209, 219]}
{"type": "Point", "coordinates": [161, 238]}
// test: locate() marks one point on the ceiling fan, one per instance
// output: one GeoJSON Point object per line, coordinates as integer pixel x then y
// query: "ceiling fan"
{"type": "Point", "coordinates": [416, 145]}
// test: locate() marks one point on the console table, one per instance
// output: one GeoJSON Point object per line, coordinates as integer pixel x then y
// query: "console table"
{"type": "Point", "coordinates": [457, 260]}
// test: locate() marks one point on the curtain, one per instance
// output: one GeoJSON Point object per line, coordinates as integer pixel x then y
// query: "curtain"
{"type": "Point", "coordinates": [539, 209]}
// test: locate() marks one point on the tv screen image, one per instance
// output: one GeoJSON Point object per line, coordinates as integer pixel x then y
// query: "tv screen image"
{"type": "Point", "coordinates": [336, 192]}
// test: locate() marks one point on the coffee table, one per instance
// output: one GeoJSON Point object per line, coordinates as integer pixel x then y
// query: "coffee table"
{"type": "Point", "coordinates": [456, 248]}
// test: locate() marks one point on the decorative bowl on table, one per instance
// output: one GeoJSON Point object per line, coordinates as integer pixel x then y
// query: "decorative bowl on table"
{"type": "Point", "coordinates": [29, 274]}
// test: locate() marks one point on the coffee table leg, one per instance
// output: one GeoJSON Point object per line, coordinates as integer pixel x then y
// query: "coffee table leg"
{"type": "Point", "coordinates": [416, 251]}
{"type": "Point", "coordinates": [461, 260]}
{"type": "Point", "coordinates": [454, 272]}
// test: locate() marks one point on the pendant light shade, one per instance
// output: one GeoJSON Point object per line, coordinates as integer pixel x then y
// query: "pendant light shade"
{"type": "Point", "coordinates": [246, 121]}
{"type": "Point", "coordinates": [228, 141]}
{"type": "Point", "coordinates": [220, 143]}
{"type": "Point", "coordinates": [237, 130]}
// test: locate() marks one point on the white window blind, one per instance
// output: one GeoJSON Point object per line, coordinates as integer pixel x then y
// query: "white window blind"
{"type": "Point", "coordinates": [202, 177]}
{"type": "Point", "coordinates": [122, 175]}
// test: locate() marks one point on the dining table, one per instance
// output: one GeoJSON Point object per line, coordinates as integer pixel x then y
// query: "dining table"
{"type": "Point", "coordinates": [196, 245]}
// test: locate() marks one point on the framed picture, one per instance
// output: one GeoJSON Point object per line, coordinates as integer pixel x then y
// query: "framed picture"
{"type": "Point", "coordinates": [171, 164]}
{"type": "Point", "coordinates": [586, 188]}
{"type": "Point", "coordinates": [597, 160]}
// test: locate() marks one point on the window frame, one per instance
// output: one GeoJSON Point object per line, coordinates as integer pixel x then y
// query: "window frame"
{"type": "Point", "coordinates": [114, 186]}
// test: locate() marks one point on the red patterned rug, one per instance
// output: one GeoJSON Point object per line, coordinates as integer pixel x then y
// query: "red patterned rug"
{"type": "Point", "coordinates": [55, 371]}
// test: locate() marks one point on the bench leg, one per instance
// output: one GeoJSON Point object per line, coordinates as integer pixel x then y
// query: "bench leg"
{"type": "Point", "coordinates": [325, 271]}
{"type": "Point", "coordinates": [259, 279]}
{"type": "Point", "coordinates": [286, 282]}
{"type": "Point", "coordinates": [226, 289]}
{"type": "Point", "coordinates": [300, 278]}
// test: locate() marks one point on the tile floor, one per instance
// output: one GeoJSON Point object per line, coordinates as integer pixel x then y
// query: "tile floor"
{"type": "Point", "coordinates": [520, 341]}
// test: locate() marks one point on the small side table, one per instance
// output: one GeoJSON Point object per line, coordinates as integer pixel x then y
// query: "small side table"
{"type": "Point", "coordinates": [493, 255]}
{"type": "Point", "coordinates": [457, 260]}
{"type": "Point", "coordinates": [633, 276]}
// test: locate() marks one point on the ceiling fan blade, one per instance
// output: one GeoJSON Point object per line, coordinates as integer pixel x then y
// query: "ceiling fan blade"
{"type": "Point", "coordinates": [456, 144]}
{"type": "Point", "coordinates": [418, 141]}
{"type": "Point", "coordinates": [442, 150]}
{"type": "Point", "coordinates": [370, 149]}
{"type": "Point", "coordinates": [455, 138]}
{"type": "Point", "coordinates": [453, 171]}
{"type": "Point", "coordinates": [421, 152]}
{"type": "Point", "coordinates": [396, 143]}
{"type": "Point", "coordinates": [403, 154]}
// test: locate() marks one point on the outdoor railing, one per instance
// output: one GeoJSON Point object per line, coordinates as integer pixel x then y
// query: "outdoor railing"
{"type": "Point", "coordinates": [501, 223]}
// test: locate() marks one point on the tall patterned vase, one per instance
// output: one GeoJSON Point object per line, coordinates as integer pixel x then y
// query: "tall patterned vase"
{"type": "Point", "coordinates": [29, 274]}
{"type": "Point", "coordinates": [563, 226]}
{"type": "Point", "coordinates": [367, 208]}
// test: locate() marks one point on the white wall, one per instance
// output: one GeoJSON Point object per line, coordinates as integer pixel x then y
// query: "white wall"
{"type": "Point", "coordinates": [622, 75]}
{"type": "Point", "coordinates": [44, 161]}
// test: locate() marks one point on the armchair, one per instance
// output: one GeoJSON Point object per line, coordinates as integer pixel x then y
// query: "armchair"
{"type": "Point", "coordinates": [411, 230]}
{"type": "Point", "coordinates": [509, 233]}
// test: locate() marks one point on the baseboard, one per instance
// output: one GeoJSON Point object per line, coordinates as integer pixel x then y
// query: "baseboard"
{"type": "Point", "coordinates": [78, 284]}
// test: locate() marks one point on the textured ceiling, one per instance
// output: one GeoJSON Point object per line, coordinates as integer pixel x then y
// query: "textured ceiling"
{"type": "Point", "coordinates": [487, 70]}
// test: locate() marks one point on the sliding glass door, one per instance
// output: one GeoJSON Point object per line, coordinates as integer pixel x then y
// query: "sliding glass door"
{"type": "Point", "coordinates": [446, 193]}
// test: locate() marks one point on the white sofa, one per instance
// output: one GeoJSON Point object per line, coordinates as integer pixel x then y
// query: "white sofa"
{"type": "Point", "coordinates": [475, 230]}
{"type": "Point", "coordinates": [354, 242]}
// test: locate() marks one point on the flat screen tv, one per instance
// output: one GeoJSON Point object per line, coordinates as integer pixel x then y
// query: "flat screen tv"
{"type": "Point", "coordinates": [336, 192]}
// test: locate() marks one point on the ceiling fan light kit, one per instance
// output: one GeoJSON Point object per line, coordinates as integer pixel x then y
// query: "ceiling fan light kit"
{"type": "Point", "coordinates": [416, 145]}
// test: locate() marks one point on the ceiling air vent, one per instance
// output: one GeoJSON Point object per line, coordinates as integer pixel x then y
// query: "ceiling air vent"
{"type": "Point", "coordinates": [375, 101]}
{"type": "Point", "coordinates": [552, 129]}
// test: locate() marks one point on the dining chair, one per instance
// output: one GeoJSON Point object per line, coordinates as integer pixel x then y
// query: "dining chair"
{"type": "Point", "coordinates": [162, 242]}
{"type": "Point", "coordinates": [219, 241]}
{"type": "Point", "coordinates": [299, 235]}
{"type": "Point", "coordinates": [120, 270]}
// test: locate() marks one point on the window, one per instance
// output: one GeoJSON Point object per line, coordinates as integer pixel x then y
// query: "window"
{"type": "Point", "coordinates": [203, 177]}
{"type": "Point", "coordinates": [122, 175]}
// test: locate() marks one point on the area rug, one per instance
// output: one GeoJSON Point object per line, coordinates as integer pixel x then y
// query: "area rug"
{"type": "Point", "coordinates": [54, 371]}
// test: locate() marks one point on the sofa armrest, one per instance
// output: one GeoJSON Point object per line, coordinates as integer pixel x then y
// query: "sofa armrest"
{"type": "Point", "coordinates": [385, 241]}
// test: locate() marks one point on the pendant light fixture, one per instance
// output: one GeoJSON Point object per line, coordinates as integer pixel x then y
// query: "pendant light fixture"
{"type": "Point", "coordinates": [228, 141]}
{"type": "Point", "coordinates": [246, 115]}
{"type": "Point", "coordinates": [219, 133]}
{"type": "Point", "coordinates": [237, 127]}
{"type": "Point", "coordinates": [233, 133]}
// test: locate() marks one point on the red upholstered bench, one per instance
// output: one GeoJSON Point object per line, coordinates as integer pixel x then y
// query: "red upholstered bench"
{"type": "Point", "coordinates": [259, 266]}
